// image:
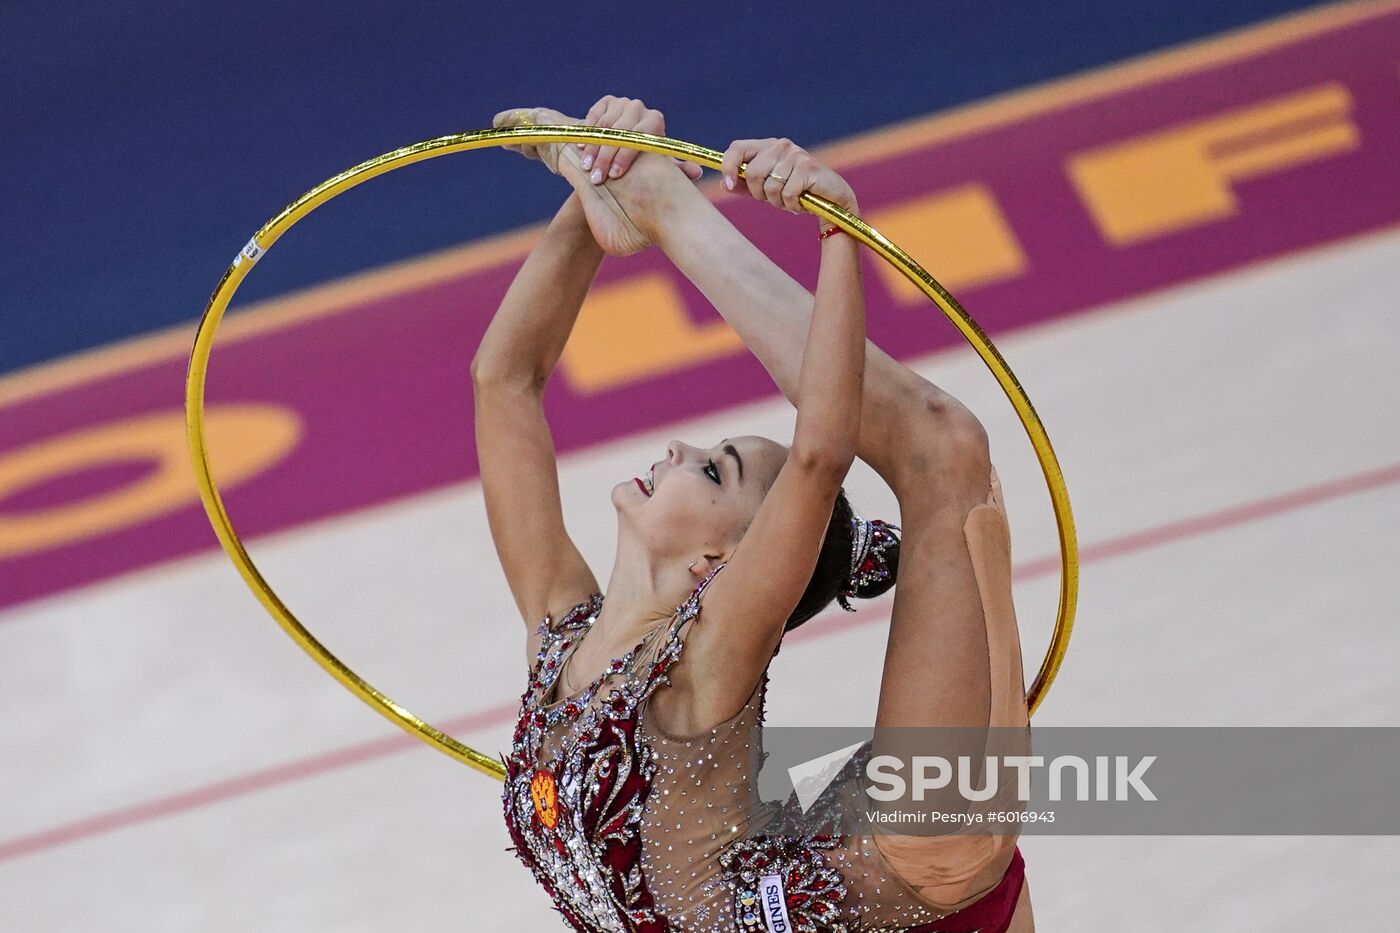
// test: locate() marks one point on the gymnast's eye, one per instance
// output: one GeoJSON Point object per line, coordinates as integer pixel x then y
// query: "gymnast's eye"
{"type": "Point", "coordinates": [715, 474]}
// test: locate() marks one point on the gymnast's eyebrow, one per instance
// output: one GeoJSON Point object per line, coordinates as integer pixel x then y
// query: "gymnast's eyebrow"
{"type": "Point", "coordinates": [729, 449]}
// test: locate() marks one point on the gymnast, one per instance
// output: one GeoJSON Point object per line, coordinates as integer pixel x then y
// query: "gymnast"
{"type": "Point", "coordinates": [629, 776]}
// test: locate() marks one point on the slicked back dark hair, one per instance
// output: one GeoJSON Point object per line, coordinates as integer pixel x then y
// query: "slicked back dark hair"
{"type": "Point", "coordinates": [833, 569]}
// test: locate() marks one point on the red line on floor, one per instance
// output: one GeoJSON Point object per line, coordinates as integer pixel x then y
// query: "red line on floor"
{"type": "Point", "coordinates": [495, 715]}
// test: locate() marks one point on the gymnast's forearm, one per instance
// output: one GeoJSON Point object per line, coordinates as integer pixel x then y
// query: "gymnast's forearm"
{"type": "Point", "coordinates": [526, 337]}
{"type": "Point", "coordinates": [833, 359]}
{"type": "Point", "coordinates": [768, 309]}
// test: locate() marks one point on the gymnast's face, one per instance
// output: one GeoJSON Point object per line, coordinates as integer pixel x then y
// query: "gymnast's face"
{"type": "Point", "coordinates": [700, 497]}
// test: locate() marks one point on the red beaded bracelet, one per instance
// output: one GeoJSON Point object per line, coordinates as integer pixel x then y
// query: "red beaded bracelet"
{"type": "Point", "coordinates": [829, 232]}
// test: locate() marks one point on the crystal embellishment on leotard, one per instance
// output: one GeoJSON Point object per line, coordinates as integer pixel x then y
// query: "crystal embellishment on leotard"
{"type": "Point", "coordinates": [649, 832]}
{"type": "Point", "coordinates": [575, 816]}
{"type": "Point", "coordinates": [809, 893]}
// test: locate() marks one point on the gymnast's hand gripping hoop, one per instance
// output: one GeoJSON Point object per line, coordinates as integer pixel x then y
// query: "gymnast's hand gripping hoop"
{"type": "Point", "coordinates": [481, 139]}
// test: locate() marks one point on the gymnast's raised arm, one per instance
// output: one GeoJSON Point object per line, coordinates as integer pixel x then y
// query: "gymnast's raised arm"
{"type": "Point", "coordinates": [768, 571]}
{"type": "Point", "coordinates": [769, 310]}
{"type": "Point", "coordinates": [519, 475]}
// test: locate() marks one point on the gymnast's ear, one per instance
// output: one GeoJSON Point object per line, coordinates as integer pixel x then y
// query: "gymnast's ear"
{"type": "Point", "coordinates": [702, 565]}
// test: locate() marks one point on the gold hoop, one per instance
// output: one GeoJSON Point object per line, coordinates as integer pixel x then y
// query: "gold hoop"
{"type": "Point", "coordinates": [480, 139]}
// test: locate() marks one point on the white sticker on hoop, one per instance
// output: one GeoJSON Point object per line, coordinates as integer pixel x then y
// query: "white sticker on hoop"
{"type": "Point", "coordinates": [252, 252]}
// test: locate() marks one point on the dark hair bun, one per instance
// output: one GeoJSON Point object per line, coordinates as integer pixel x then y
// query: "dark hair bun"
{"type": "Point", "coordinates": [831, 578]}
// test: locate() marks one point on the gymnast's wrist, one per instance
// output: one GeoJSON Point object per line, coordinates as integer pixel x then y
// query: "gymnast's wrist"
{"type": "Point", "coordinates": [848, 205]}
{"type": "Point", "coordinates": [570, 213]}
{"type": "Point", "coordinates": [570, 221]}
{"type": "Point", "coordinates": [826, 228]}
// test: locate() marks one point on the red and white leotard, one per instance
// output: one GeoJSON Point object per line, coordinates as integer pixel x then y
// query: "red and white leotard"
{"type": "Point", "coordinates": [631, 830]}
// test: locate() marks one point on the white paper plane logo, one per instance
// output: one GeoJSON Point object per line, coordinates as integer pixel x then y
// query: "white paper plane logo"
{"type": "Point", "coordinates": [811, 778]}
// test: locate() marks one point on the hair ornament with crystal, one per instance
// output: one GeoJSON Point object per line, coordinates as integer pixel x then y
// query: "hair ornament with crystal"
{"type": "Point", "coordinates": [870, 542]}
